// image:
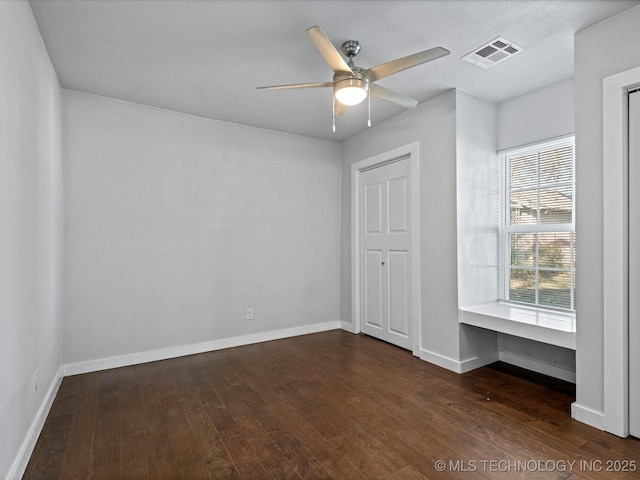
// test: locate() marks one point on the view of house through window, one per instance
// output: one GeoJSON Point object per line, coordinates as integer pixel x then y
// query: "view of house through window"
{"type": "Point", "coordinates": [539, 225]}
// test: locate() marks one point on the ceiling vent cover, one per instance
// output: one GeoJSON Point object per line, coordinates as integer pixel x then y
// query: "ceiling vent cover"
{"type": "Point", "coordinates": [494, 52]}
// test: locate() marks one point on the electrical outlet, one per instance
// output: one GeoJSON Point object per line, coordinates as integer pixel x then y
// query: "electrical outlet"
{"type": "Point", "coordinates": [35, 380]}
{"type": "Point", "coordinates": [249, 315]}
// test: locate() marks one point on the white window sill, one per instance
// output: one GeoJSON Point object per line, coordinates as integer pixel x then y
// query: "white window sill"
{"type": "Point", "coordinates": [547, 326]}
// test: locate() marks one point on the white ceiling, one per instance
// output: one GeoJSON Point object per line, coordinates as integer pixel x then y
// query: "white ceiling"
{"type": "Point", "coordinates": [206, 57]}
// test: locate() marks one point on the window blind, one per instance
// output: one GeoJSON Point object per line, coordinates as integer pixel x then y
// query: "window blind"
{"type": "Point", "coordinates": [539, 225]}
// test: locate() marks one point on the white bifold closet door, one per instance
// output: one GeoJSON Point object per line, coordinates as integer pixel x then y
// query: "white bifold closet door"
{"type": "Point", "coordinates": [385, 257]}
{"type": "Point", "coordinates": [634, 263]}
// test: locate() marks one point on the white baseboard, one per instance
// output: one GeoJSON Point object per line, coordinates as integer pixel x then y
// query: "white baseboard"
{"type": "Point", "coordinates": [454, 365]}
{"type": "Point", "coordinates": [349, 327]}
{"type": "Point", "coordinates": [538, 366]}
{"type": "Point", "coordinates": [26, 449]}
{"type": "Point", "coordinates": [477, 362]}
{"type": "Point", "coordinates": [587, 415]}
{"type": "Point", "coordinates": [439, 360]}
{"type": "Point", "coordinates": [507, 357]}
{"type": "Point", "coordinates": [182, 350]}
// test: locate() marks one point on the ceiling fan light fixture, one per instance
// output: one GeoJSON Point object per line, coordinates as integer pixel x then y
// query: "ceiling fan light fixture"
{"type": "Point", "coordinates": [352, 84]}
{"type": "Point", "coordinates": [351, 91]}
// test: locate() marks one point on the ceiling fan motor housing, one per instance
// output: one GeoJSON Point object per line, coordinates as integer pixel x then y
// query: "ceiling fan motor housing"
{"type": "Point", "coordinates": [358, 77]}
{"type": "Point", "coordinates": [356, 80]}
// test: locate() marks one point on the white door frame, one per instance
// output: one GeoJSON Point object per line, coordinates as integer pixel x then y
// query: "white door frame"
{"type": "Point", "coordinates": [410, 150]}
{"type": "Point", "coordinates": [615, 258]}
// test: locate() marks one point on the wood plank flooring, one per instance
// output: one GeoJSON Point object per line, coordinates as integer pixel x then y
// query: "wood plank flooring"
{"type": "Point", "coordinates": [328, 405]}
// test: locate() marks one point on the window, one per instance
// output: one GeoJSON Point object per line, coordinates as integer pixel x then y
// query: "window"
{"type": "Point", "coordinates": [538, 238]}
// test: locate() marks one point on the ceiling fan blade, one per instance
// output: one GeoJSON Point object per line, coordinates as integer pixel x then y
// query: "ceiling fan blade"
{"type": "Point", "coordinates": [390, 96]}
{"type": "Point", "coordinates": [297, 85]}
{"type": "Point", "coordinates": [400, 64]}
{"type": "Point", "coordinates": [328, 51]}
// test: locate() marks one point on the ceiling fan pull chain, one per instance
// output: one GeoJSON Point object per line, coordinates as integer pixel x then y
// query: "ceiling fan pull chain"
{"type": "Point", "coordinates": [369, 95]}
{"type": "Point", "coordinates": [333, 113]}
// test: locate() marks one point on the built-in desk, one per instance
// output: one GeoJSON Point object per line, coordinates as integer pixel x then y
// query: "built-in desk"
{"type": "Point", "coordinates": [547, 326]}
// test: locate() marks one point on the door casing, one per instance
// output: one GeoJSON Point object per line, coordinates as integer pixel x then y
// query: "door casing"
{"type": "Point", "coordinates": [412, 151]}
{"type": "Point", "coordinates": [615, 417]}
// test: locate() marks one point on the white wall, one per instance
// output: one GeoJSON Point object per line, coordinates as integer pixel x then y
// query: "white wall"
{"type": "Point", "coordinates": [539, 115]}
{"type": "Point", "coordinates": [174, 224]}
{"type": "Point", "coordinates": [478, 200]}
{"type": "Point", "coordinates": [30, 233]}
{"type": "Point", "coordinates": [602, 50]}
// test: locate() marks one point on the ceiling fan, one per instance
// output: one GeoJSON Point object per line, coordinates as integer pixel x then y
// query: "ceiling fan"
{"type": "Point", "coordinates": [352, 84]}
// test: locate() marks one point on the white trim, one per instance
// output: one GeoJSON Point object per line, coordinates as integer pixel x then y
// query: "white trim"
{"type": "Point", "coordinates": [26, 449]}
{"type": "Point", "coordinates": [454, 365]}
{"type": "Point", "coordinates": [537, 142]}
{"type": "Point", "coordinates": [349, 327]}
{"type": "Point", "coordinates": [588, 416]}
{"type": "Point", "coordinates": [538, 366]}
{"type": "Point", "coordinates": [477, 362]}
{"type": "Point", "coordinates": [533, 145]}
{"type": "Point", "coordinates": [194, 348]}
{"type": "Point", "coordinates": [492, 357]}
{"type": "Point", "coordinates": [507, 228]}
{"type": "Point", "coordinates": [615, 268]}
{"type": "Point", "coordinates": [412, 150]}
{"type": "Point", "coordinates": [439, 360]}
{"type": "Point", "coordinates": [633, 234]}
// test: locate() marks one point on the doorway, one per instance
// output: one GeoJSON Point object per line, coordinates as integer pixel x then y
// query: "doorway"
{"type": "Point", "coordinates": [616, 292]}
{"type": "Point", "coordinates": [634, 263]}
{"type": "Point", "coordinates": [385, 281]}
{"type": "Point", "coordinates": [385, 247]}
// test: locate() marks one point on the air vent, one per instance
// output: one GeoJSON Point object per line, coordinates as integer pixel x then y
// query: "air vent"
{"type": "Point", "coordinates": [492, 53]}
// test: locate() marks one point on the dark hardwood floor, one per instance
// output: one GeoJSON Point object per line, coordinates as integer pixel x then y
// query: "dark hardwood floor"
{"type": "Point", "coordinates": [329, 405]}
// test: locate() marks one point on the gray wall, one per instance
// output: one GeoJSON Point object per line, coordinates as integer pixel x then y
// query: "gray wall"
{"type": "Point", "coordinates": [537, 356]}
{"type": "Point", "coordinates": [433, 125]}
{"type": "Point", "coordinates": [539, 115]}
{"type": "Point", "coordinates": [478, 200]}
{"type": "Point", "coordinates": [605, 49]}
{"type": "Point", "coordinates": [30, 228]}
{"type": "Point", "coordinates": [174, 224]}
{"type": "Point", "coordinates": [477, 217]}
